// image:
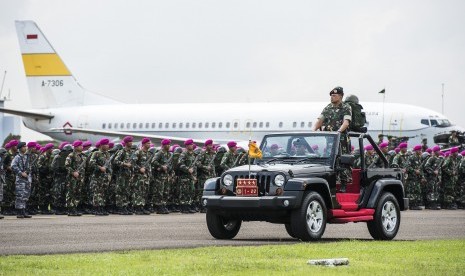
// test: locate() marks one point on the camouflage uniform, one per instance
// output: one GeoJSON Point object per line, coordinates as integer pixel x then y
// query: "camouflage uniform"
{"type": "Point", "coordinates": [33, 201]}
{"type": "Point", "coordinates": [461, 185]}
{"type": "Point", "coordinates": [110, 194]}
{"type": "Point", "coordinates": [449, 181]}
{"type": "Point", "coordinates": [174, 182]}
{"type": "Point", "coordinates": [86, 191]}
{"type": "Point", "coordinates": [75, 162]}
{"type": "Point", "coordinates": [2, 178]}
{"type": "Point", "coordinates": [206, 170]}
{"type": "Point", "coordinates": [432, 185]}
{"type": "Point", "coordinates": [44, 189]}
{"type": "Point", "coordinates": [186, 180]}
{"type": "Point", "coordinates": [59, 182]}
{"type": "Point", "coordinates": [228, 161]}
{"type": "Point", "coordinates": [161, 179]}
{"type": "Point", "coordinates": [22, 164]}
{"type": "Point", "coordinates": [414, 180]}
{"type": "Point", "coordinates": [140, 159]}
{"type": "Point", "coordinates": [333, 117]}
{"type": "Point", "coordinates": [9, 188]}
{"type": "Point", "coordinates": [400, 160]}
{"type": "Point", "coordinates": [217, 162]}
{"type": "Point", "coordinates": [99, 181]}
{"type": "Point", "coordinates": [123, 178]}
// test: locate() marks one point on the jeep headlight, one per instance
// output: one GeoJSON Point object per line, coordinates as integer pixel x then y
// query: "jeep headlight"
{"type": "Point", "coordinates": [227, 180]}
{"type": "Point", "coordinates": [279, 180]}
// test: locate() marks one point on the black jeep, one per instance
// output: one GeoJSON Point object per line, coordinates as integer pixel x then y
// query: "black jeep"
{"type": "Point", "coordinates": [295, 184]}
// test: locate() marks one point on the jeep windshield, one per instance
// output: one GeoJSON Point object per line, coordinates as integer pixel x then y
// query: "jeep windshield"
{"type": "Point", "coordinates": [316, 147]}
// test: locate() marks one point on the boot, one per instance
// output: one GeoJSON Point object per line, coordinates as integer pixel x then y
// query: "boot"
{"type": "Point", "coordinates": [203, 209]}
{"type": "Point", "coordinates": [176, 208]}
{"type": "Point", "coordinates": [104, 212]}
{"type": "Point", "coordinates": [184, 209]}
{"type": "Point", "coordinates": [22, 214]}
{"type": "Point", "coordinates": [191, 209]}
{"type": "Point", "coordinates": [70, 212]}
{"type": "Point", "coordinates": [32, 210]}
{"type": "Point", "coordinates": [138, 210]}
{"type": "Point", "coordinates": [97, 211]}
{"type": "Point", "coordinates": [60, 211]}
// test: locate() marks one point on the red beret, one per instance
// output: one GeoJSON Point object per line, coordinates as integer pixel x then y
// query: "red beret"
{"type": "Point", "coordinates": [13, 143]}
{"type": "Point", "coordinates": [208, 142]}
{"type": "Point", "coordinates": [462, 153]}
{"type": "Point", "coordinates": [87, 144]}
{"type": "Point", "coordinates": [188, 142]}
{"type": "Point", "coordinates": [165, 142]}
{"type": "Point", "coordinates": [417, 147]}
{"type": "Point", "coordinates": [275, 146]}
{"type": "Point", "coordinates": [368, 147]}
{"type": "Point", "coordinates": [145, 140]}
{"type": "Point", "coordinates": [403, 146]}
{"type": "Point", "coordinates": [232, 144]}
{"type": "Point", "coordinates": [383, 145]}
{"type": "Point", "coordinates": [128, 139]}
{"type": "Point", "coordinates": [111, 145]}
{"type": "Point", "coordinates": [38, 146]}
{"type": "Point", "coordinates": [7, 145]}
{"type": "Point", "coordinates": [77, 143]}
{"type": "Point", "coordinates": [429, 150]}
{"type": "Point", "coordinates": [104, 141]}
{"type": "Point", "coordinates": [454, 150]}
{"type": "Point", "coordinates": [48, 146]}
{"type": "Point", "coordinates": [31, 145]}
{"type": "Point", "coordinates": [436, 148]}
{"type": "Point", "coordinates": [397, 150]}
{"type": "Point", "coordinates": [97, 144]}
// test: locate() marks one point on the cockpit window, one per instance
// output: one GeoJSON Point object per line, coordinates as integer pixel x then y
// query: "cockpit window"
{"type": "Point", "coordinates": [440, 123]}
{"type": "Point", "coordinates": [425, 122]}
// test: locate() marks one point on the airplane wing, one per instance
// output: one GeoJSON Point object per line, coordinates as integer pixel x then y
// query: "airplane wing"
{"type": "Point", "coordinates": [119, 134]}
{"type": "Point", "coordinates": [34, 115]}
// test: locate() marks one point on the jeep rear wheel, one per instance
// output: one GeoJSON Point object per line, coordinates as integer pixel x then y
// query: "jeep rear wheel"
{"type": "Point", "coordinates": [386, 219]}
{"type": "Point", "coordinates": [222, 228]}
{"type": "Point", "coordinates": [308, 223]}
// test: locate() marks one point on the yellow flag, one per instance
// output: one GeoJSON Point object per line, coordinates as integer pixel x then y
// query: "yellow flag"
{"type": "Point", "coordinates": [254, 151]}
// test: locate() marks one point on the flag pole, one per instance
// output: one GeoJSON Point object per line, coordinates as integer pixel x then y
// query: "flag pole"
{"type": "Point", "coordinates": [382, 124]}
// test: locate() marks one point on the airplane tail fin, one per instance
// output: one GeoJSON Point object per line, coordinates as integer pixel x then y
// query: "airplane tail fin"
{"type": "Point", "coordinates": [50, 82]}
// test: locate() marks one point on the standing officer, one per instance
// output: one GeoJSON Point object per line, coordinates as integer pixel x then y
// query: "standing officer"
{"type": "Point", "coordinates": [75, 166]}
{"type": "Point", "coordinates": [415, 179]}
{"type": "Point", "coordinates": [432, 170]}
{"type": "Point", "coordinates": [21, 167]}
{"type": "Point", "coordinates": [141, 163]}
{"type": "Point", "coordinates": [400, 160]}
{"type": "Point", "coordinates": [377, 162]}
{"type": "Point", "coordinates": [123, 162]}
{"type": "Point", "coordinates": [59, 179]}
{"type": "Point", "coordinates": [2, 176]}
{"type": "Point", "coordinates": [99, 166]}
{"type": "Point", "coordinates": [32, 203]}
{"type": "Point", "coordinates": [206, 170]}
{"type": "Point", "coordinates": [161, 166]}
{"type": "Point", "coordinates": [9, 190]}
{"type": "Point", "coordinates": [450, 177]}
{"type": "Point", "coordinates": [174, 180]}
{"type": "Point", "coordinates": [44, 165]}
{"type": "Point", "coordinates": [229, 158]}
{"type": "Point", "coordinates": [336, 116]}
{"type": "Point", "coordinates": [186, 169]}
{"type": "Point", "coordinates": [218, 158]}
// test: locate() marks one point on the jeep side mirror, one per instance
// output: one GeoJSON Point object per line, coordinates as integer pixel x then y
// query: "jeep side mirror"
{"type": "Point", "coordinates": [347, 160]}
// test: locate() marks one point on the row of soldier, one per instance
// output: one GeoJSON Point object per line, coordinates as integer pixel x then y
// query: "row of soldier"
{"type": "Point", "coordinates": [121, 179]}
{"type": "Point", "coordinates": [432, 178]}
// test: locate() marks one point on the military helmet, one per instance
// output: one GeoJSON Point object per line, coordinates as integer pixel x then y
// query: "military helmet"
{"type": "Point", "coordinates": [352, 99]}
{"type": "Point", "coordinates": [240, 150]}
{"type": "Point", "coordinates": [424, 155]}
{"type": "Point", "coordinates": [221, 149]}
{"type": "Point", "coordinates": [152, 150]}
{"type": "Point", "coordinates": [178, 150]}
{"type": "Point", "coordinates": [2, 151]}
{"type": "Point", "coordinates": [67, 147]}
{"type": "Point", "coordinates": [55, 152]}
{"type": "Point", "coordinates": [198, 150]}
{"type": "Point", "coordinates": [392, 152]}
{"type": "Point", "coordinates": [118, 146]}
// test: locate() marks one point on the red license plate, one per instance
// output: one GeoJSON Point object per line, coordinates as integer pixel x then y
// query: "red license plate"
{"type": "Point", "coordinates": [246, 187]}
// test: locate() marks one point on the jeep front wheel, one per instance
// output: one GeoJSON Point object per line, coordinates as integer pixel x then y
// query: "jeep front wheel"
{"type": "Point", "coordinates": [308, 223]}
{"type": "Point", "coordinates": [386, 219]}
{"type": "Point", "coordinates": [221, 227]}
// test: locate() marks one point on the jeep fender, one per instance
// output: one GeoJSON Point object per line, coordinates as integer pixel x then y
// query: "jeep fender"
{"type": "Point", "coordinates": [393, 186]}
{"type": "Point", "coordinates": [212, 184]}
{"type": "Point", "coordinates": [316, 184]}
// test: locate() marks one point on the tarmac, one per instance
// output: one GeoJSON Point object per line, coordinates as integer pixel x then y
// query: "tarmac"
{"type": "Point", "coordinates": [49, 234]}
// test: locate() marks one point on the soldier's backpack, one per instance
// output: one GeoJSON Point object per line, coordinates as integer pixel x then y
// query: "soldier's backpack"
{"type": "Point", "coordinates": [358, 116]}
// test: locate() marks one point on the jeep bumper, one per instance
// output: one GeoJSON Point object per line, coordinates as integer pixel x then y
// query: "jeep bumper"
{"type": "Point", "coordinates": [284, 202]}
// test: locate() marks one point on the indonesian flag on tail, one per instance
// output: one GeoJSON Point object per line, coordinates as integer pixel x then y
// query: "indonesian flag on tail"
{"type": "Point", "coordinates": [254, 151]}
{"type": "Point", "coordinates": [32, 38]}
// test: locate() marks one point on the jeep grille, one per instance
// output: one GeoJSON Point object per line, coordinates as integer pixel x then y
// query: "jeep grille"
{"type": "Point", "coordinates": [263, 182]}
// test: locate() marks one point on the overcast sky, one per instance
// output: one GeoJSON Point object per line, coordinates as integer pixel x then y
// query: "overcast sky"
{"type": "Point", "coordinates": [250, 51]}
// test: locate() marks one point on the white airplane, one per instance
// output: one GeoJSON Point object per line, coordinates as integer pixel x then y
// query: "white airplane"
{"type": "Point", "coordinates": [64, 110]}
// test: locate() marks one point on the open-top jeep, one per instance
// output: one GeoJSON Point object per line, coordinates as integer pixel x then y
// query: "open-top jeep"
{"type": "Point", "coordinates": [296, 184]}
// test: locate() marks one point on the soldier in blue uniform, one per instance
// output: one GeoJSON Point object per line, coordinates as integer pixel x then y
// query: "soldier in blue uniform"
{"type": "Point", "coordinates": [21, 167]}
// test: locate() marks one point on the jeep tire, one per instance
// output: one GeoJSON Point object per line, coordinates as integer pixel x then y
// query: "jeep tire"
{"type": "Point", "coordinates": [308, 223]}
{"type": "Point", "coordinates": [222, 228]}
{"type": "Point", "coordinates": [386, 219]}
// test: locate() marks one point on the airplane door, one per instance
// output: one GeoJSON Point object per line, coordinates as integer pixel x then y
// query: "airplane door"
{"type": "Point", "coordinates": [395, 124]}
